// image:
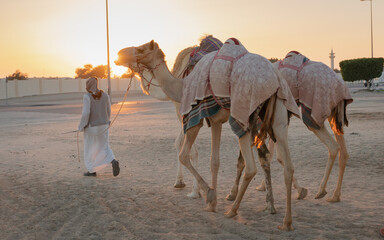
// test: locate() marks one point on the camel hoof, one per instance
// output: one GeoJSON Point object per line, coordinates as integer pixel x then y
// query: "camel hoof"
{"type": "Point", "coordinates": [179, 184]}
{"type": "Point", "coordinates": [302, 193]}
{"type": "Point", "coordinates": [270, 208]}
{"type": "Point", "coordinates": [210, 208]}
{"type": "Point", "coordinates": [194, 195]}
{"type": "Point", "coordinates": [211, 200]}
{"type": "Point", "coordinates": [286, 227]}
{"type": "Point", "coordinates": [231, 197]}
{"type": "Point", "coordinates": [333, 199]}
{"type": "Point", "coordinates": [261, 188]}
{"type": "Point", "coordinates": [321, 194]}
{"type": "Point", "coordinates": [230, 214]}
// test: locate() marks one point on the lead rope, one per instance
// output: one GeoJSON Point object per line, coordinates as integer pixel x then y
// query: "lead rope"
{"type": "Point", "coordinates": [110, 125]}
{"type": "Point", "coordinates": [78, 147]}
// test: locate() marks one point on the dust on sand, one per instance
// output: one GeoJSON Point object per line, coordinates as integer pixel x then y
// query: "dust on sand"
{"type": "Point", "coordinates": [43, 194]}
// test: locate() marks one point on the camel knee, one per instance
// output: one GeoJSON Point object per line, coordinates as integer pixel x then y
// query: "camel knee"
{"type": "Point", "coordinates": [184, 158]}
{"type": "Point", "coordinates": [333, 151]}
{"type": "Point", "coordinates": [343, 159]}
{"type": "Point", "coordinates": [240, 163]}
{"type": "Point", "coordinates": [194, 154]}
{"type": "Point", "coordinates": [249, 174]}
{"type": "Point", "coordinates": [289, 170]}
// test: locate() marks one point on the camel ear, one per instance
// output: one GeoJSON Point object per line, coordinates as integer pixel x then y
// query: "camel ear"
{"type": "Point", "coordinates": [151, 44]}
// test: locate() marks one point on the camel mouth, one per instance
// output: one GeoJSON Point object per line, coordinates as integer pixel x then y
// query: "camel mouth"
{"type": "Point", "coordinates": [126, 57]}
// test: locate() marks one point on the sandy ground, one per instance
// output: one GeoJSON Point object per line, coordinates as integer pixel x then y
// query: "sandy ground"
{"type": "Point", "coordinates": [43, 194]}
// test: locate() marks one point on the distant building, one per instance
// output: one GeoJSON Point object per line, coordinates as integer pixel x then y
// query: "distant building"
{"type": "Point", "coordinates": [332, 57]}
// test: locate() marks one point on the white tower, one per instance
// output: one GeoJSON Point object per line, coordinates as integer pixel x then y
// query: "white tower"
{"type": "Point", "coordinates": [332, 57]}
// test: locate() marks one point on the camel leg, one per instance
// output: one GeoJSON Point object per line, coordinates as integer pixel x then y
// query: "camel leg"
{"type": "Point", "coordinates": [235, 188]}
{"type": "Point", "coordinates": [301, 191]}
{"type": "Point", "coordinates": [343, 158]}
{"type": "Point", "coordinates": [280, 129]}
{"type": "Point", "coordinates": [184, 158]}
{"type": "Point", "coordinates": [216, 128]}
{"type": "Point", "coordinates": [264, 158]}
{"type": "Point", "coordinates": [249, 173]}
{"type": "Point", "coordinates": [194, 156]}
{"type": "Point", "coordinates": [179, 183]}
{"type": "Point", "coordinates": [333, 148]}
{"type": "Point", "coordinates": [271, 149]}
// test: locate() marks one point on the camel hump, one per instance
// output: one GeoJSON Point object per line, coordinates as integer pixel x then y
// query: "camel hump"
{"type": "Point", "coordinates": [233, 41]}
{"type": "Point", "coordinates": [207, 45]}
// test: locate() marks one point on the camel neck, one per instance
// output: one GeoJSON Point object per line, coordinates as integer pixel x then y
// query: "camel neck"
{"type": "Point", "coordinates": [172, 86]}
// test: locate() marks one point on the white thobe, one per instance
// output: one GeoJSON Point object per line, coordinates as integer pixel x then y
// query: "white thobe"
{"type": "Point", "coordinates": [97, 152]}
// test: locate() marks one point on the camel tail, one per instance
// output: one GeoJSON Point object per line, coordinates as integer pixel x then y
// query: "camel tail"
{"type": "Point", "coordinates": [267, 117]}
{"type": "Point", "coordinates": [338, 118]}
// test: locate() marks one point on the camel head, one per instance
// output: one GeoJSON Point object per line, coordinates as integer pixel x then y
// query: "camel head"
{"type": "Point", "coordinates": [141, 60]}
{"type": "Point", "coordinates": [148, 55]}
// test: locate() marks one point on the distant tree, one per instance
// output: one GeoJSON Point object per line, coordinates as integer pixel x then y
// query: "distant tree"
{"type": "Point", "coordinates": [88, 71]}
{"type": "Point", "coordinates": [272, 60]}
{"type": "Point", "coordinates": [362, 69]}
{"type": "Point", "coordinates": [83, 72]}
{"type": "Point", "coordinates": [100, 71]}
{"type": "Point", "coordinates": [17, 75]}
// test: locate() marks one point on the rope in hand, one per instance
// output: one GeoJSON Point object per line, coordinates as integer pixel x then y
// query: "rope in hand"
{"type": "Point", "coordinates": [110, 125]}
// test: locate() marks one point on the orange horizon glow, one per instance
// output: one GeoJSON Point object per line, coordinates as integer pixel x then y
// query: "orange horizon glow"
{"type": "Point", "coordinates": [59, 36]}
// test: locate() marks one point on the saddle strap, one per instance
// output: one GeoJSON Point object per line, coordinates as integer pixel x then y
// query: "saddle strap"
{"type": "Point", "coordinates": [296, 68]}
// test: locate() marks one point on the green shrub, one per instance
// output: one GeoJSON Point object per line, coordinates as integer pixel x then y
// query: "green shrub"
{"type": "Point", "coordinates": [361, 69]}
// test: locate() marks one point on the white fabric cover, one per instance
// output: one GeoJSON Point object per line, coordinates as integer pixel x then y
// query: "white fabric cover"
{"type": "Point", "coordinates": [249, 81]}
{"type": "Point", "coordinates": [316, 86]}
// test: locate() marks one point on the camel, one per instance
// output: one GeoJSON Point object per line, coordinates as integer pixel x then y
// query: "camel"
{"type": "Point", "coordinates": [303, 76]}
{"type": "Point", "coordinates": [319, 130]}
{"type": "Point", "coordinates": [150, 86]}
{"type": "Point", "coordinates": [273, 110]}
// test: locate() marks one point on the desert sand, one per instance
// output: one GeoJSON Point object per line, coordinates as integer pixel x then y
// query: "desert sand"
{"type": "Point", "coordinates": [43, 194]}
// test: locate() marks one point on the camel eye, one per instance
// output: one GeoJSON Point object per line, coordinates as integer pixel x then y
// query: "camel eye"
{"type": "Point", "coordinates": [141, 51]}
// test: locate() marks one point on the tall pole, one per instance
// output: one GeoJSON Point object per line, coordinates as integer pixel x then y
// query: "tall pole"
{"type": "Point", "coordinates": [109, 71]}
{"type": "Point", "coordinates": [6, 91]}
{"type": "Point", "coordinates": [371, 28]}
{"type": "Point", "coordinates": [371, 33]}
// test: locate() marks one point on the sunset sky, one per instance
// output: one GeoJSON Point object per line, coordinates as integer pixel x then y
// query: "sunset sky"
{"type": "Point", "coordinates": [52, 38]}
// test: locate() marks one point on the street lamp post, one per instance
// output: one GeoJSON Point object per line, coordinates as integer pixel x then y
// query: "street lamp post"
{"type": "Point", "coordinates": [6, 91]}
{"type": "Point", "coordinates": [109, 68]}
{"type": "Point", "coordinates": [371, 28]}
